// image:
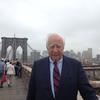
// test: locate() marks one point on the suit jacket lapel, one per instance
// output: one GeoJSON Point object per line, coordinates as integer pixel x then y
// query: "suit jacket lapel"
{"type": "Point", "coordinates": [47, 77]}
{"type": "Point", "coordinates": [65, 70]}
{"type": "Point", "coordinates": [64, 73]}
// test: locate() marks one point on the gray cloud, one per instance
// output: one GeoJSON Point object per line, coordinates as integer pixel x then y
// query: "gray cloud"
{"type": "Point", "coordinates": [78, 21]}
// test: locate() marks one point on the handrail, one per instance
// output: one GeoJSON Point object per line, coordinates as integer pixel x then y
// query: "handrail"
{"type": "Point", "coordinates": [85, 68]}
{"type": "Point", "coordinates": [92, 68]}
{"type": "Point", "coordinates": [27, 68]}
{"type": "Point", "coordinates": [95, 84]}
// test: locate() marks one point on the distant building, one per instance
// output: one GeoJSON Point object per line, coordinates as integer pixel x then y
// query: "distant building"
{"type": "Point", "coordinates": [35, 55]}
{"type": "Point", "coordinates": [67, 53]}
{"type": "Point", "coordinates": [97, 59]}
{"type": "Point", "coordinates": [90, 53]}
{"type": "Point", "coordinates": [79, 56]}
{"type": "Point", "coordinates": [70, 54]}
{"type": "Point", "coordinates": [87, 56]}
{"type": "Point", "coordinates": [44, 53]}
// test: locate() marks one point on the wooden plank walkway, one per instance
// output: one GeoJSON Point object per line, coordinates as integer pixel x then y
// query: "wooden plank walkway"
{"type": "Point", "coordinates": [16, 92]}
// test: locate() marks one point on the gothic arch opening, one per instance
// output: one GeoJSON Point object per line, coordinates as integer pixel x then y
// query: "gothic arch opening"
{"type": "Point", "coordinates": [19, 53]}
{"type": "Point", "coordinates": [9, 53]}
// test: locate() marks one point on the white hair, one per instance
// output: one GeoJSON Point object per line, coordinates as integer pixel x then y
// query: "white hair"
{"type": "Point", "coordinates": [54, 34]}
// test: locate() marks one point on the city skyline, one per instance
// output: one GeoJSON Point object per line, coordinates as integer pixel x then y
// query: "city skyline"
{"type": "Point", "coordinates": [30, 49]}
{"type": "Point", "coordinates": [77, 21]}
{"type": "Point", "coordinates": [19, 51]}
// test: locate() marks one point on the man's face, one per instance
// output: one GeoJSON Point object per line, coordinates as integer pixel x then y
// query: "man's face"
{"type": "Point", "coordinates": [55, 48]}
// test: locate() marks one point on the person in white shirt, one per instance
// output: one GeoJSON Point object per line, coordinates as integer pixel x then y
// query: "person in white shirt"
{"type": "Point", "coordinates": [10, 73]}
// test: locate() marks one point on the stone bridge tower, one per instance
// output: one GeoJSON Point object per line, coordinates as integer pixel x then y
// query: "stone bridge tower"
{"type": "Point", "coordinates": [14, 43]}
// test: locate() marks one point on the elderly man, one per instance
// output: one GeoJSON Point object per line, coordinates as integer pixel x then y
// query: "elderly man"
{"type": "Point", "coordinates": [58, 77]}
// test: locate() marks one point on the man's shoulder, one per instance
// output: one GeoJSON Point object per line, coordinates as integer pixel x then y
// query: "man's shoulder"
{"type": "Point", "coordinates": [70, 60]}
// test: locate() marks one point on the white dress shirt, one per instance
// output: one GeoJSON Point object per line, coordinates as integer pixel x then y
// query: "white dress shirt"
{"type": "Point", "coordinates": [59, 64]}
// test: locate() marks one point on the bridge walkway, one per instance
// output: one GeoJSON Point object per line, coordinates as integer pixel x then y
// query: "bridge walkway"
{"type": "Point", "coordinates": [16, 92]}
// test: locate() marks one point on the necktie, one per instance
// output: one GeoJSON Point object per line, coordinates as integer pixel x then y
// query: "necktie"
{"type": "Point", "coordinates": [56, 77]}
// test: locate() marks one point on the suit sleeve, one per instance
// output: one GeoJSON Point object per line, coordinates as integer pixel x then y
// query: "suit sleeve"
{"type": "Point", "coordinates": [32, 87]}
{"type": "Point", "coordinates": [86, 90]}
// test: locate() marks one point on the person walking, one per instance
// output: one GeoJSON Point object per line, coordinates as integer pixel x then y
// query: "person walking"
{"type": "Point", "coordinates": [2, 65]}
{"type": "Point", "coordinates": [18, 69]}
{"type": "Point", "coordinates": [10, 73]}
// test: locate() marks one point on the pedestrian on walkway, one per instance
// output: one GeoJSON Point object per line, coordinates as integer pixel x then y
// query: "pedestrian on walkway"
{"type": "Point", "coordinates": [10, 73]}
{"type": "Point", "coordinates": [2, 64]}
{"type": "Point", "coordinates": [18, 67]}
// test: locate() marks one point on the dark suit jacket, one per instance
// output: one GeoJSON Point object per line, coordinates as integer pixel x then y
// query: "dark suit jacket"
{"type": "Point", "coordinates": [73, 78]}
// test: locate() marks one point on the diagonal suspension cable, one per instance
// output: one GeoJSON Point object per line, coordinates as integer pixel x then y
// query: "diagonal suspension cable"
{"type": "Point", "coordinates": [30, 47]}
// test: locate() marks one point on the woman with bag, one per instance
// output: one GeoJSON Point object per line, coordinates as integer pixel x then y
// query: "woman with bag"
{"type": "Point", "coordinates": [4, 76]}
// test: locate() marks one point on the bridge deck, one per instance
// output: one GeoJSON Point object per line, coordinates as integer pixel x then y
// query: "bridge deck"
{"type": "Point", "coordinates": [16, 92]}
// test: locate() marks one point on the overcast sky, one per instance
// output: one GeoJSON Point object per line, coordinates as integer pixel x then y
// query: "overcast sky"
{"type": "Point", "coordinates": [78, 21]}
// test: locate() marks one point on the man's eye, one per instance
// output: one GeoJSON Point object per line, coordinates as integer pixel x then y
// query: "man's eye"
{"type": "Point", "coordinates": [52, 46]}
{"type": "Point", "coordinates": [55, 46]}
{"type": "Point", "coordinates": [58, 46]}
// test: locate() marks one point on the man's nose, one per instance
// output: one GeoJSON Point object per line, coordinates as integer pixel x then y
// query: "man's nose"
{"type": "Point", "coordinates": [55, 49]}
